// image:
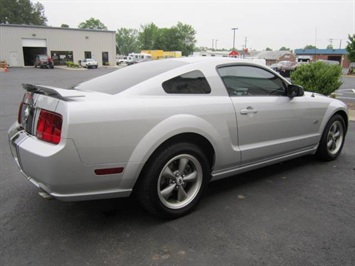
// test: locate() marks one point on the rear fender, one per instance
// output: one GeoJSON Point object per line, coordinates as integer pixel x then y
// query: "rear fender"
{"type": "Point", "coordinates": [165, 130]}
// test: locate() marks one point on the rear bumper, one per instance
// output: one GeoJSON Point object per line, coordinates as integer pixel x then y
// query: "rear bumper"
{"type": "Point", "coordinates": [58, 170]}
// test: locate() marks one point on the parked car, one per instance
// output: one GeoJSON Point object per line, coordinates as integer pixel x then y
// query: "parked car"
{"type": "Point", "coordinates": [44, 61]}
{"type": "Point", "coordinates": [89, 63]}
{"type": "Point", "coordinates": [284, 67]}
{"type": "Point", "coordinates": [164, 129]}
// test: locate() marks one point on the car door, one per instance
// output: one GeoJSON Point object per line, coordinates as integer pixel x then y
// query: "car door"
{"type": "Point", "coordinates": [270, 124]}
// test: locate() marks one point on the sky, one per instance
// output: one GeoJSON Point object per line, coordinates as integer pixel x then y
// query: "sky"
{"type": "Point", "coordinates": [260, 23]}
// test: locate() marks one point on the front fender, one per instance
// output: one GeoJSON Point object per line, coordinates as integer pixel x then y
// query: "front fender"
{"type": "Point", "coordinates": [333, 108]}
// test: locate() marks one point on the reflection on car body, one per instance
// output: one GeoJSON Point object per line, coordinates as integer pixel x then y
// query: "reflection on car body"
{"type": "Point", "coordinates": [165, 128]}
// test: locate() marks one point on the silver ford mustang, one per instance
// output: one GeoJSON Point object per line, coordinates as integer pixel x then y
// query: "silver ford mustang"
{"type": "Point", "coordinates": [164, 129]}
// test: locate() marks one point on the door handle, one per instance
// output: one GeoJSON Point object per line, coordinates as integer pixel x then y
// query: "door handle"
{"type": "Point", "coordinates": [248, 110]}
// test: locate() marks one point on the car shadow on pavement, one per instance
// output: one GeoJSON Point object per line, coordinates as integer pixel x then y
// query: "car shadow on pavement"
{"type": "Point", "coordinates": [264, 174]}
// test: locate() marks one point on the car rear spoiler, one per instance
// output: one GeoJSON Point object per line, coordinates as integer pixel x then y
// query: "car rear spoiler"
{"type": "Point", "coordinates": [62, 94]}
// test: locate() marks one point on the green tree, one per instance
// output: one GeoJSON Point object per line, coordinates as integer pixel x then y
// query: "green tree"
{"type": "Point", "coordinates": [148, 36]}
{"type": "Point", "coordinates": [92, 24]}
{"type": "Point", "coordinates": [127, 41]}
{"type": "Point", "coordinates": [283, 48]}
{"type": "Point", "coordinates": [330, 47]}
{"type": "Point", "coordinates": [177, 38]}
{"type": "Point", "coordinates": [64, 26]}
{"type": "Point", "coordinates": [183, 38]}
{"type": "Point", "coordinates": [351, 48]}
{"type": "Point", "coordinates": [22, 12]}
{"type": "Point", "coordinates": [310, 46]}
{"type": "Point", "coordinates": [318, 77]}
{"type": "Point", "coordinates": [38, 17]}
{"type": "Point", "coordinates": [268, 49]}
{"type": "Point", "coordinates": [163, 39]}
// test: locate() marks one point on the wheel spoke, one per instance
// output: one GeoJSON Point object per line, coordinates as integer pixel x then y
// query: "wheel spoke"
{"type": "Point", "coordinates": [168, 174]}
{"type": "Point", "coordinates": [334, 146]}
{"type": "Point", "coordinates": [330, 144]}
{"type": "Point", "coordinates": [337, 134]}
{"type": "Point", "coordinates": [181, 194]}
{"type": "Point", "coordinates": [333, 129]}
{"type": "Point", "coordinates": [182, 164]}
{"type": "Point", "coordinates": [166, 192]}
{"type": "Point", "coordinates": [190, 177]}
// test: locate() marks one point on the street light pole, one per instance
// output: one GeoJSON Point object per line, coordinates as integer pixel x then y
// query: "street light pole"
{"type": "Point", "coordinates": [234, 29]}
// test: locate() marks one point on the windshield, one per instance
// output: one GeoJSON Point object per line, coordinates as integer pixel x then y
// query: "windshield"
{"type": "Point", "coordinates": [124, 78]}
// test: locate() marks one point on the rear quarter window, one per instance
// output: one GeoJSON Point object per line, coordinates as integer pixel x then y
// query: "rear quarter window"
{"type": "Point", "coordinates": [127, 77]}
{"type": "Point", "coordinates": [193, 82]}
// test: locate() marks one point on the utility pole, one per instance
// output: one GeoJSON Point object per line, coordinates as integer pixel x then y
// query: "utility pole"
{"type": "Point", "coordinates": [331, 42]}
{"type": "Point", "coordinates": [234, 29]}
{"type": "Point", "coordinates": [212, 43]}
{"type": "Point", "coordinates": [245, 42]}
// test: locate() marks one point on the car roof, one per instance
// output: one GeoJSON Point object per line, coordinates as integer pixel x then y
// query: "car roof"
{"type": "Point", "coordinates": [218, 60]}
{"type": "Point", "coordinates": [124, 78]}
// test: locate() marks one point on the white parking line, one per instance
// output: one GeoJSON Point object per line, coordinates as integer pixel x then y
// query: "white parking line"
{"type": "Point", "coordinates": [345, 90]}
{"type": "Point", "coordinates": [352, 98]}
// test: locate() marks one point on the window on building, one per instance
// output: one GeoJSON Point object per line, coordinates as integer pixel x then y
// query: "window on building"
{"type": "Point", "coordinates": [61, 57]}
{"type": "Point", "coordinates": [87, 54]}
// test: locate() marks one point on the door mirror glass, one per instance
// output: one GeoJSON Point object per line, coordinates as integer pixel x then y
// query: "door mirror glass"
{"type": "Point", "coordinates": [294, 91]}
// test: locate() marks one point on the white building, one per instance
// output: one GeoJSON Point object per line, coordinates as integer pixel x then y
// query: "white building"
{"type": "Point", "coordinates": [19, 44]}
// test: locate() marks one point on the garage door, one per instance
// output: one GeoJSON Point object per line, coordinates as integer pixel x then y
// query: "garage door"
{"type": "Point", "coordinates": [31, 48]}
{"type": "Point", "coordinates": [34, 43]}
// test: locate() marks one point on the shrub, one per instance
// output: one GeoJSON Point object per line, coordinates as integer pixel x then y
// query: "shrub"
{"type": "Point", "coordinates": [71, 64]}
{"type": "Point", "coordinates": [318, 77]}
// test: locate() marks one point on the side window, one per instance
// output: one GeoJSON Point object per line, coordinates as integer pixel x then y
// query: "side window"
{"type": "Point", "coordinates": [191, 83]}
{"type": "Point", "coordinates": [251, 81]}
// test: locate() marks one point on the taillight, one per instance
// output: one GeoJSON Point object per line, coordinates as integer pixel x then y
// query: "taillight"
{"type": "Point", "coordinates": [49, 126]}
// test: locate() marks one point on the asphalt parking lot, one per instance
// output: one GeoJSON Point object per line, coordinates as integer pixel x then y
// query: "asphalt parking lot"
{"type": "Point", "coordinates": [301, 212]}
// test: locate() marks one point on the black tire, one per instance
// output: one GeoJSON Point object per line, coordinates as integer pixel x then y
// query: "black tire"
{"type": "Point", "coordinates": [173, 182]}
{"type": "Point", "coordinates": [332, 140]}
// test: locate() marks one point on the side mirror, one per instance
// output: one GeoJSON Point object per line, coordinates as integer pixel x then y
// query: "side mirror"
{"type": "Point", "coordinates": [294, 91]}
